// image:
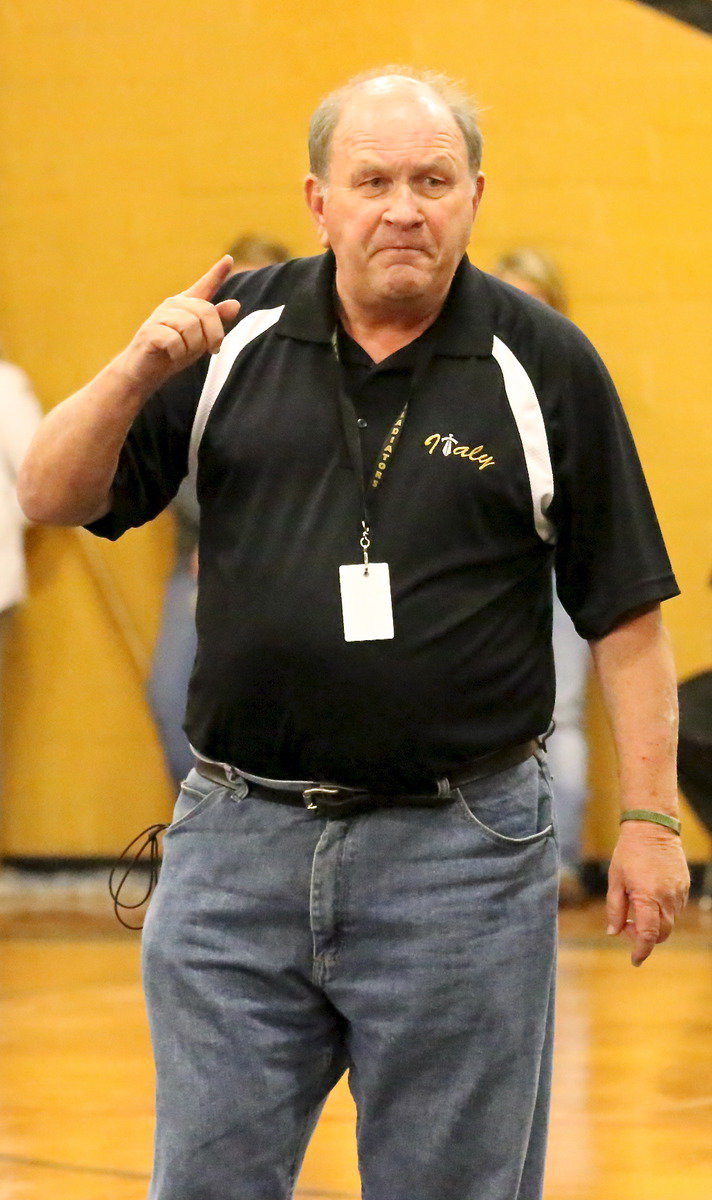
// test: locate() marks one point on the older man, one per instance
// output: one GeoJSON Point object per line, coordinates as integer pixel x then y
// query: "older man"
{"type": "Point", "coordinates": [390, 449]}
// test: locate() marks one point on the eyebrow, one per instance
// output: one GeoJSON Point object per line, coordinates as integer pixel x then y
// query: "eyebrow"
{"type": "Point", "coordinates": [439, 163]}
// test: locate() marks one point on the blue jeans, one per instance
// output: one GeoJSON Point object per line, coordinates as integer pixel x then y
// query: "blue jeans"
{"type": "Point", "coordinates": [413, 948]}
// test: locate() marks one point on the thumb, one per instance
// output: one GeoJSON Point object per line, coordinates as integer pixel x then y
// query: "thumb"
{"type": "Point", "coordinates": [208, 284]}
{"type": "Point", "coordinates": [228, 311]}
{"type": "Point", "coordinates": [616, 908]}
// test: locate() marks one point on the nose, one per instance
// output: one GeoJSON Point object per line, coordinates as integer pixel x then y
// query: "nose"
{"type": "Point", "coordinates": [403, 209]}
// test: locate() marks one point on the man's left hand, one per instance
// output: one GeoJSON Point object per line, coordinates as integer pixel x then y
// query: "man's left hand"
{"type": "Point", "coordinates": [648, 885]}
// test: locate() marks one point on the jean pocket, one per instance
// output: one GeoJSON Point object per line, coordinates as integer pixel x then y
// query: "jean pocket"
{"type": "Point", "coordinates": [196, 794]}
{"type": "Point", "coordinates": [514, 807]}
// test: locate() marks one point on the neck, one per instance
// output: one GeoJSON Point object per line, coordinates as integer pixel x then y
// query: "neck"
{"type": "Point", "coordinates": [381, 330]}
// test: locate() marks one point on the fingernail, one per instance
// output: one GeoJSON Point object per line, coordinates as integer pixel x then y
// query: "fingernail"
{"type": "Point", "coordinates": [611, 929]}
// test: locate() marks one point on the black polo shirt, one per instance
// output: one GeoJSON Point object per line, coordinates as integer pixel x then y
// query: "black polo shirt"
{"type": "Point", "coordinates": [515, 454]}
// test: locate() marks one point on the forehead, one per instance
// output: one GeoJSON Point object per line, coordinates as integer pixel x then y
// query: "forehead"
{"type": "Point", "coordinates": [392, 119]}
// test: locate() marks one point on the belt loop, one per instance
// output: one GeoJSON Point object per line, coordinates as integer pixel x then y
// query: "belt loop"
{"type": "Point", "coordinates": [543, 738]}
{"type": "Point", "coordinates": [444, 786]}
{"type": "Point", "coordinates": [540, 753]}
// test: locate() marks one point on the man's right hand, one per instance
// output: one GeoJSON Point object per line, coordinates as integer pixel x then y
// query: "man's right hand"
{"type": "Point", "coordinates": [180, 331]}
{"type": "Point", "coordinates": [68, 472]}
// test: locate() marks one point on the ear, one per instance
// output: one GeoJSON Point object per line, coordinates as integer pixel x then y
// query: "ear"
{"type": "Point", "coordinates": [477, 194]}
{"type": "Point", "coordinates": [315, 195]}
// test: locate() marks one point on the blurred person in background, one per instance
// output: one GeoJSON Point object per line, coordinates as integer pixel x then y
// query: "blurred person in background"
{"type": "Point", "coordinates": [254, 250]}
{"type": "Point", "coordinates": [537, 275]}
{"type": "Point", "coordinates": [174, 653]}
{"type": "Point", "coordinates": [20, 414]}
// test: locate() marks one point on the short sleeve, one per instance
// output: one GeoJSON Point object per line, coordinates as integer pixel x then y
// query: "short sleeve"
{"type": "Point", "coordinates": [610, 554]}
{"type": "Point", "coordinates": [154, 457]}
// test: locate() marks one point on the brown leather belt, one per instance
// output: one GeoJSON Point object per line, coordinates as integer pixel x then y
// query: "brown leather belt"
{"type": "Point", "coordinates": [334, 800]}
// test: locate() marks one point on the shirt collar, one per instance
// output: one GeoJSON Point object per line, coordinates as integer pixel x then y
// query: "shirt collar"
{"type": "Point", "coordinates": [464, 327]}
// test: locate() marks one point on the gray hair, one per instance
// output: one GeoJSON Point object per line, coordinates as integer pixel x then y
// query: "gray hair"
{"type": "Point", "coordinates": [463, 108]}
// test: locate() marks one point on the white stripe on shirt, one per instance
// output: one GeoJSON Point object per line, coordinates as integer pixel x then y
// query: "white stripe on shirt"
{"type": "Point", "coordinates": [527, 413]}
{"type": "Point", "coordinates": [222, 363]}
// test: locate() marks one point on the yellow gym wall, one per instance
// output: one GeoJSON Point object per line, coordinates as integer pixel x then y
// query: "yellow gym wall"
{"type": "Point", "coordinates": [137, 139]}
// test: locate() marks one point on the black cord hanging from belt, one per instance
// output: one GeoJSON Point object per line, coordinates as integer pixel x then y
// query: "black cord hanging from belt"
{"type": "Point", "coordinates": [150, 836]}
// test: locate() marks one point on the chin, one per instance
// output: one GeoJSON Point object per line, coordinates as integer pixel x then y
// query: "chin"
{"type": "Point", "coordinates": [404, 282]}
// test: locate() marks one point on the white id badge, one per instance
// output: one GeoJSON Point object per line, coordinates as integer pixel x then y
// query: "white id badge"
{"type": "Point", "coordinates": [366, 602]}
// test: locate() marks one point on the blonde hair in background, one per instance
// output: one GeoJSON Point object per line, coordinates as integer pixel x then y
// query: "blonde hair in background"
{"type": "Point", "coordinates": [464, 109]}
{"type": "Point", "coordinates": [257, 250]}
{"type": "Point", "coordinates": [538, 270]}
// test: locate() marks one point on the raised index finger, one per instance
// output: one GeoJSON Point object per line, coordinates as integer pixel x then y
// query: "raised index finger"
{"type": "Point", "coordinates": [208, 284]}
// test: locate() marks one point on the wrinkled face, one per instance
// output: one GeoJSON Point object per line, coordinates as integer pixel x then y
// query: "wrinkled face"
{"type": "Point", "coordinates": [398, 205]}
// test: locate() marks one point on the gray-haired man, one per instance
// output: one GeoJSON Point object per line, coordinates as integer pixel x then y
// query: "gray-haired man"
{"type": "Point", "coordinates": [390, 450]}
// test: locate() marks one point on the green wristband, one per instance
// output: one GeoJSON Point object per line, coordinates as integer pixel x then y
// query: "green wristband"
{"type": "Point", "coordinates": [658, 818]}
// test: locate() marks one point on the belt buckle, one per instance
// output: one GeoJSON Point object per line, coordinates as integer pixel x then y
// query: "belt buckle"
{"type": "Point", "coordinates": [309, 794]}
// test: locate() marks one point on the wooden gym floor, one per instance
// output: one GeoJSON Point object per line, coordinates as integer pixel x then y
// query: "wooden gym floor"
{"type": "Point", "coordinates": [632, 1108]}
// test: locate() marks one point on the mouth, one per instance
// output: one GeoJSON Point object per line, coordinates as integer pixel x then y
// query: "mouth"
{"type": "Point", "coordinates": [401, 250]}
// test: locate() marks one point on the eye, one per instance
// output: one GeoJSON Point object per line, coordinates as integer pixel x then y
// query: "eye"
{"type": "Point", "coordinates": [373, 185]}
{"type": "Point", "coordinates": [434, 185]}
